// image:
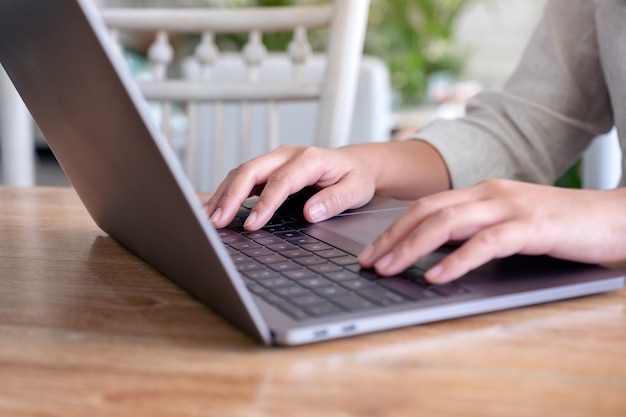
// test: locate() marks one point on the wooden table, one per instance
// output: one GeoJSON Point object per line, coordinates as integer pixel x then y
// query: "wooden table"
{"type": "Point", "coordinates": [87, 329]}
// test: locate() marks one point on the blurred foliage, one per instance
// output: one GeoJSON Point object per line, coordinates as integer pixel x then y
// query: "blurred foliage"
{"type": "Point", "coordinates": [572, 178]}
{"type": "Point", "coordinates": [416, 39]}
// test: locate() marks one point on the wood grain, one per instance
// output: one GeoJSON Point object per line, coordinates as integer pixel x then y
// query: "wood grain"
{"type": "Point", "coordinates": [87, 329]}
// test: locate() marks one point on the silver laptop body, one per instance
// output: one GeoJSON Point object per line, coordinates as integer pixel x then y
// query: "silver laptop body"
{"type": "Point", "coordinates": [76, 84]}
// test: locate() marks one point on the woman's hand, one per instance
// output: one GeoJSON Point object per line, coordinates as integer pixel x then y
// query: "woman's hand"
{"type": "Point", "coordinates": [347, 178]}
{"type": "Point", "coordinates": [345, 181]}
{"type": "Point", "coordinates": [498, 218]}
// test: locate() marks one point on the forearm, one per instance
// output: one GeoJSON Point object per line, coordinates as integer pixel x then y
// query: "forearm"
{"type": "Point", "coordinates": [404, 170]}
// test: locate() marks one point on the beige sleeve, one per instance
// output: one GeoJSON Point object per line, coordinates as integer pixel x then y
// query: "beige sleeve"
{"type": "Point", "coordinates": [550, 109]}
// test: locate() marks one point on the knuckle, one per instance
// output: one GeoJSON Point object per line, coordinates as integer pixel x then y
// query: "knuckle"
{"type": "Point", "coordinates": [496, 185]}
{"type": "Point", "coordinates": [279, 179]}
{"type": "Point", "coordinates": [246, 169]}
{"type": "Point", "coordinates": [309, 153]}
{"type": "Point", "coordinates": [445, 214]}
{"type": "Point", "coordinates": [489, 238]}
{"type": "Point", "coordinates": [339, 201]}
{"type": "Point", "coordinates": [423, 205]}
{"type": "Point", "coordinates": [286, 148]}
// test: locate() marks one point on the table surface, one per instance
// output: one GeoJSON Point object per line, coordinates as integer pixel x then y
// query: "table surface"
{"type": "Point", "coordinates": [87, 329]}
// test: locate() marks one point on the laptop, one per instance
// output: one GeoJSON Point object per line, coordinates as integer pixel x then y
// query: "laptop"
{"type": "Point", "coordinates": [308, 288]}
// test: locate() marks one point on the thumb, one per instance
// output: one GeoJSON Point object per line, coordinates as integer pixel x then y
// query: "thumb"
{"type": "Point", "coordinates": [336, 199]}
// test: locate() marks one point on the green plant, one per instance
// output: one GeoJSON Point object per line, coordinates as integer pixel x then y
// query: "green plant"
{"type": "Point", "coordinates": [416, 39]}
{"type": "Point", "coordinates": [572, 178]}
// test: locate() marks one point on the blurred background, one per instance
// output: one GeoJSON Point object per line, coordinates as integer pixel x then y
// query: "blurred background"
{"type": "Point", "coordinates": [434, 54]}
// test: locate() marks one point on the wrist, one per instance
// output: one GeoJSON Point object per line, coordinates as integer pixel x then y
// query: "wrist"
{"type": "Point", "coordinates": [405, 170]}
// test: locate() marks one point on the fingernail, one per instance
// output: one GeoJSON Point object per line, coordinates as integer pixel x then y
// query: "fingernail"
{"type": "Point", "coordinates": [317, 212]}
{"type": "Point", "coordinates": [216, 215]}
{"type": "Point", "coordinates": [250, 220]}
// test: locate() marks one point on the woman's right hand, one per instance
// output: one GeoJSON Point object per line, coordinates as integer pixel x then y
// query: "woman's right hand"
{"type": "Point", "coordinates": [345, 179]}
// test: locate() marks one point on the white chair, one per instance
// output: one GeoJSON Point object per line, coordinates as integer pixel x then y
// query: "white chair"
{"type": "Point", "coordinates": [602, 163]}
{"type": "Point", "coordinates": [346, 20]}
{"type": "Point", "coordinates": [16, 135]}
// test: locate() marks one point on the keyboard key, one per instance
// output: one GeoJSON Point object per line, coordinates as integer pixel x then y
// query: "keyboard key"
{"type": "Point", "coordinates": [307, 301]}
{"type": "Point", "coordinates": [238, 258]}
{"type": "Point", "coordinates": [231, 251]}
{"type": "Point", "coordinates": [324, 268]}
{"type": "Point", "coordinates": [275, 282]}
{"type": "Point", "coordinates": [278, 220]}
{"type": "Point", "coordinates": [256, 252]}
{"type": "Point", "coordinates": [233, 239]}
{"type": "Point", "coordinates": [295, 253]}
{"type": "Point", "coordinates": [325, 309]}
{"type": "Point", "coordinates": [405, 288]}
{"type": "Point", "coordinates": [258, 234]}
{"type": "Point", "coordinates": [302, 240]}
{"type": "Point", "coordinates": [356, 268]}
{"type": "Point", "coordinates": [285, 266]}
{"type": "Point", "coordinates": [450, 289]}
{"type": "Point", "coordinates": [291, 291]}
{"type": "Point", "coordinates": [331, 291]}
{"type": "Point", "coordinates": [314, 282]}
{"type": "Point", "coordinates": [382, 296]}
{"type": "Point", "coordinates": [256, 288]}
{"type": "Point", "coordinates": [297, 274]}
{"type": "Point", "coordinates": [272, 228]}
{"type": "Point", "coordinates": [270, 259]}
{"type": "Point", "coordinates": [344, 260]}
{"type": "Point", "coordinates": [310, 260]}
{"type": "Point", "coordinates": [237, 224]}
{"type": "Point", "coordinates": [282, 246]}
{"type": "Point", "coordinates": [260, 274]}
{"type": "Point", "coordinates": [248, 266]}
{"type": "Point", "coordinates": [331, 253]}
{"type": "Point", "coordinates": [357, 284]}
{"type": "Point", "coordinates": [247, 244]}
{"type": "Point", "coordinates": [314, 247]}
{"type": "Point", "coordinates": [416, 275]}
{"type": "Point", "coordinates": [353, 302]}
{"type": "Point", "coordinates": [222, 233]}
{"type": "Point", "coordinates": [293, 311]}
{"type": "Point", "coordinates": [289, 234]}
{"type": "Point", "coordinates": [272, 298]}
{"type": "Point", "coordinates": [369, 274]}
{"type": "Point", "coordinates": [341, 276]}
{"type": "Point", "coordinates": [268, 241]}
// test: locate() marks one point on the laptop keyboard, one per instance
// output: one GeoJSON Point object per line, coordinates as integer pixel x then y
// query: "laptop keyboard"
{"type": "Point", "coordinates": [307, 278]}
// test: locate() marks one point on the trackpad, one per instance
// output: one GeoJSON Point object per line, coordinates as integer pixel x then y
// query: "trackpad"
{"type": "Point", "coordinates": [361, 227]}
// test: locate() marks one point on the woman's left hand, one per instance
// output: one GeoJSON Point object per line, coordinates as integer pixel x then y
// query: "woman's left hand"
{"type": "Point", "coordinates": [498, 218]}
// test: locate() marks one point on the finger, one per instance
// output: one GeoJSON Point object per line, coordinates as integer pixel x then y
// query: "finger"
{"type": "Point", "coordinates": [499, 241]}
{"type": "Point", "coordinates": [304, 169]}
{"type": "Point", "coordinates": [449, 223]}
{"type": "Point", "coordinates": [242, 182]}
{"type": "Point", "coordinates": [404, 225]}
{"type": "Point", "coordinates": [350, 192]}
